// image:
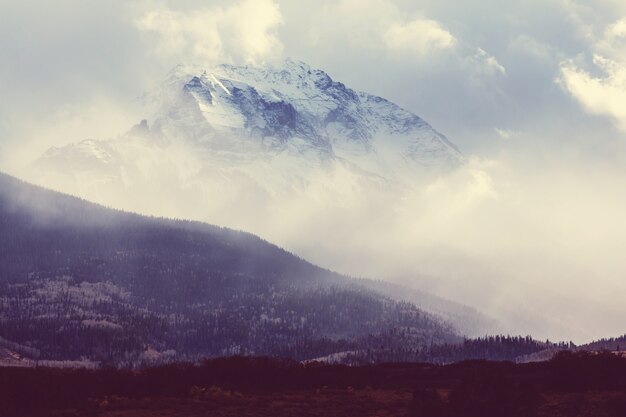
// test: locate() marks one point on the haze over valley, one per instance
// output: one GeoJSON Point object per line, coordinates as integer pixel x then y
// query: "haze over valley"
{"type": "Point", "coordinates": [478, 162]}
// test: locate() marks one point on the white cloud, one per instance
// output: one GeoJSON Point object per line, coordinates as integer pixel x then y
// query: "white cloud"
{"type": "Point", "coordinates": [613, 41]}
{"type": "Point", "coordinates": [244, 32]}
{"type": "Point", "coordinates": [506, 133]}
{"type": "Point", "coordinates": [379, 25]}
{"type": "Point", "coordinates": [603, 95]}
{"type": "Point", "coordinates": [617, 29]}
{"type": "Point", "coordinates": [420, 36]}
{"type": "Point", "coordinates": [488, 62]}
{"type": "Point", "coordinates": [601, 91]}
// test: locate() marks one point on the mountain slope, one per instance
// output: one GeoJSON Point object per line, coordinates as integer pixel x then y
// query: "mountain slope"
{"type": "Point", "coordinates": [81, 281]}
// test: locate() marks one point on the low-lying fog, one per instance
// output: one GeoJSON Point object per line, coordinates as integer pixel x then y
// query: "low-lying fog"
{"type": "Point", "coordinates": [536, 242]}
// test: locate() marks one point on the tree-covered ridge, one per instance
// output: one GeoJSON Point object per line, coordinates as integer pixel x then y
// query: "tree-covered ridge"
{"type": "Point", "coordinates": [396, 346]}
{"type": "Point", "coordinates": [611, 343]}
{"type": "Point", "coordinates": [81, 281]}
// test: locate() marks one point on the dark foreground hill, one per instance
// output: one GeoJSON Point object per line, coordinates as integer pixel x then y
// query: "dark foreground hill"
{"type": "Point", "coordinates": [571, 385]}
{"type": "Point", "coordinates": [79, 282]}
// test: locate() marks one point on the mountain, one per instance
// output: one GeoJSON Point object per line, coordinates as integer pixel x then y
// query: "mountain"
{"type": "Point", "coordinates": [282, 151]}
{"type": "Point", "coordinates": [262, 122]}
{"type": "Point", "coordinates": [81, 282]}
{"type": "Point", "coordinates": [225, 138]}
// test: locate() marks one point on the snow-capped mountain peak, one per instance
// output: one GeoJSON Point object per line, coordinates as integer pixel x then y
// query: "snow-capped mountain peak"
{"type": "Point", "coordinates": [229, 131]}
{"type": "Point", "coordinates": [282, 107]}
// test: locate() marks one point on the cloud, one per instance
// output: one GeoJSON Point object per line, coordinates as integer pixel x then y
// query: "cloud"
{"type": "Point", "coordinates": [599, 84]}
{"type": "Point", "coordinates": [380, 26]}
{"type": "Point", "coordinates": [613, 42]}
{"type": "Point", "coordinates": [488, 62]}
{"type": "Point", "coordinates": [506, 133]}
{"type": "Point", "coordinates": [69, 70]}
{"type": "Point", "coordinates": [604, 94]}
{"type": "Point", "coordinates": [420, 36]}
{"type": "Point", "coordinates": [245, 32]}
{"type": "Point", "coordinates": [618, 29]}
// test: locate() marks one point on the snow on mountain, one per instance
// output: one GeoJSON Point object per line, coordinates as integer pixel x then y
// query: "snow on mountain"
{"type": "Point", "coordinates": [290, 121]}
{"type": "Point", "coordinates": [296, 108]}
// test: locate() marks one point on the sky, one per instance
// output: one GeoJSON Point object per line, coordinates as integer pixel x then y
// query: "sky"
{"type": "Point", "coordinates": [532, 92]}
{"type": "Point", "coordinates": [489, 75]}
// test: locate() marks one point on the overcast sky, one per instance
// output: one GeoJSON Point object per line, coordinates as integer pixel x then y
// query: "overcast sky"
{"type": "Point", "coordinates": [489, 74]}
{"type": "Point", "coordinates": [532, 91]}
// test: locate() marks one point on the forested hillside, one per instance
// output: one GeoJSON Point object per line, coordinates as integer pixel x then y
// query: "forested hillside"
{"type": "Point", "coordinates": [79, 281]}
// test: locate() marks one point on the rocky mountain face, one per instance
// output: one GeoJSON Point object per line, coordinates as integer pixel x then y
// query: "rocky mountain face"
{"type": "Point", "coordinates": [277, 130]}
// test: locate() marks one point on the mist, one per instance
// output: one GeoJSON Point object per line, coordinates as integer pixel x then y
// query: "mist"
{"type": "Point", "coordinates": [536, 243]}
{"type": "Point", "coordinates": [529, 230]}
